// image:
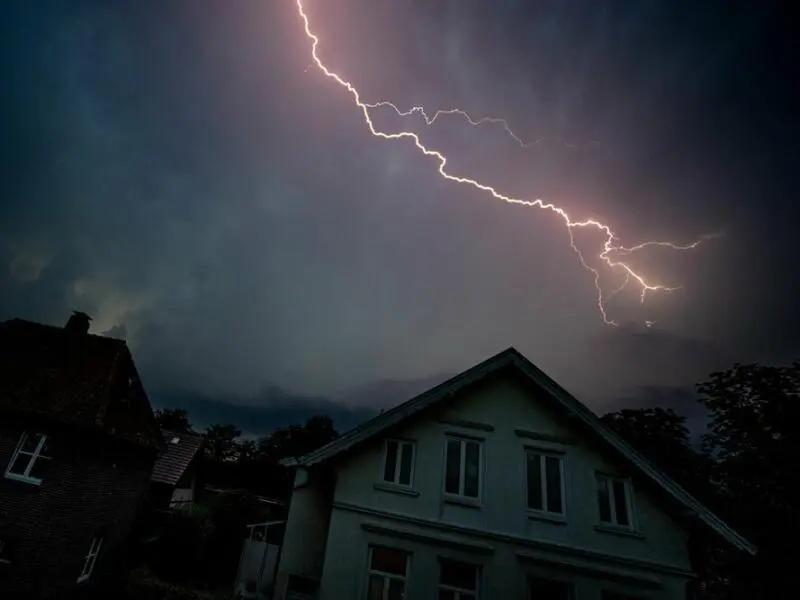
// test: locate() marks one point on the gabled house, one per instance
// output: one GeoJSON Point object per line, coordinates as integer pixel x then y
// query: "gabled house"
{"type": "Point", "coordinates": [77, 443]}
{"type": "Point", "coordinates": [496, 484]}
{"type": "Point", "coordinates": [177, 476]}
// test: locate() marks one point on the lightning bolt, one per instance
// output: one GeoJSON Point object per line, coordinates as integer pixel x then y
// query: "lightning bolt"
{"type": "Point", "coordinates": [610, 247]}
{"type": "Point", "coordinates": [477, 122]}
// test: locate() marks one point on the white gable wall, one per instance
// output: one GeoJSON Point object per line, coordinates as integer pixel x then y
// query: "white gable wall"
{"type": "Point", "coordinates": [506, 406]}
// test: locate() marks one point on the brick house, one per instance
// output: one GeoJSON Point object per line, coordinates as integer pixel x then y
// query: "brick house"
{"type": "Point", "coordinates": [78, 439]}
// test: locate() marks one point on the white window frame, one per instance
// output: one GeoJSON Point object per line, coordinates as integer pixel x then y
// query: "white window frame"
{"type": "Point", "coordinates": [3, 548]}
{"type": "Point", "coordinates": [570, 586]}
{"type": "Point", "coordinates": [628, 487]}
{"type": "Point", "coordinates": [463, 441]}
{"type": "Point", "coordinates": [386, 576]}
{"type": "Point", "coordinates": [562, 476]}
{"type": "Point", "coordinates": [398, 460]}
{"type": "Point", "coordinates": [91, 558]}
{"type": "Point", "coordinates": [32, 458]}
{"type": "Point", "coordinates": [473, 594]}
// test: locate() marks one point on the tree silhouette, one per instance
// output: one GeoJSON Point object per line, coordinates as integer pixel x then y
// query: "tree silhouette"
{"type": "Point", "coordinates": [753, 445]}
{"type": "Point", "coordinates": [173, 419]}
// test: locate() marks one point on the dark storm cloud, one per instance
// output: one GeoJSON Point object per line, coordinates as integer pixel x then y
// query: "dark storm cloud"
{"type": "Point", "coordinates": [178, 175]}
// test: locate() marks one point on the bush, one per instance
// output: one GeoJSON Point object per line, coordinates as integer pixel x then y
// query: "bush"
{"type": "Point", "coordinates": [144, 585]}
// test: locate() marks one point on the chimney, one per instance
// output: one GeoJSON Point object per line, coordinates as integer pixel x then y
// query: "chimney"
{"type": "Point", "coordinates": [78, 322]}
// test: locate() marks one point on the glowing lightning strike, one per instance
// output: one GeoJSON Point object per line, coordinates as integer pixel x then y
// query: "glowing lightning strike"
{"type": "Point", "coordinates": [609, 245]}
{"type": "Point", "coordinates": [476, 122]}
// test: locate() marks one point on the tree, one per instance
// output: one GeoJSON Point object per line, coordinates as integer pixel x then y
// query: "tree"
{"type": "Point", "coordinates": [173, 419]}
{"type": "Point", "coordinates": [221, 441]}
{"type": "Point", "coordinates": [297, 440]}
{"type": "Point", "coordinates": [662, 437]}
{"type": "Point", "coordinates": [753, 445]}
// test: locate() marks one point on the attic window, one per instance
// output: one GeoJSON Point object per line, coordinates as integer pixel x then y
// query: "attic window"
{"type": "Point", "coordinates": [6, 550]}
{"type": "Point", "coordinates": [175, 440]}
{"type": "Point", "coordinates": [31, 457]}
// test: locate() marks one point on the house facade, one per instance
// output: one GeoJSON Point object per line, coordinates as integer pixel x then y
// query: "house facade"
{"type": "Point", "coordinates": [496, 484]}
{"type": "Point", "coordinates": [77, 443]}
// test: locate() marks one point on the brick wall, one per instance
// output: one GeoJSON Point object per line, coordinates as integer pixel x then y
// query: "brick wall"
{"type": "Point", "coordinates": [91, 485]}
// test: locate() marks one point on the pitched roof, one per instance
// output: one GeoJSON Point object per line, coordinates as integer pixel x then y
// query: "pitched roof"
{"type": "Point", "coordinates": [178, 451]}
{"type": "Point", "coordinates": [75, 378]}
{"type": "Point", "coordinates": [512, 359]}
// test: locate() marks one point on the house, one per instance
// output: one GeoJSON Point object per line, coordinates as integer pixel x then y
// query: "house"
{"type": "Point", "coordinates": [177, 476]}
{"type": "Point", "coordinates": [77, 443]}
{"type": "Point", "coordinates": [495, 484]}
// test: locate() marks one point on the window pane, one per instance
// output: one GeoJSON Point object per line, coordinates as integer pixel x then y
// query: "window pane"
{"type": "Point", "coordinates": [20, 464]}
{"type": "Point", "coordinates": [603, 500]}
{"type": "Point", "coordinates": [545, 589]}
{"type": "Point", "coordinates": [472, 472]}
{"type": "Point", "coordinates": [458, 575]}
{"type": "Point", "coordinates": [397, 590]}
{"type": "Point", "coordinates": [405, 464]}
{"type": "Point", "coordinates": [453, 467]}
{"type": "Point", "coordinates": [391, 462]}
{"type": "Point", "coordinates": [389, 560]}
{"type": "Point", "coordinates": [534, 481]}
{"type": "Point", "coordinates": [620, 505]}
{"type": "Point", "coordinates": [45, 451]}
{"type": "Point", "coordinates": [553, 474]}
{"type": "Point", "coordinates": [375, 588]}
{"type": "Point", "coordinates": [39, 467]}
{"type": "Point", "coordinates": [31, 442]}
{"type": "Point", "coordinates": [447, 595]}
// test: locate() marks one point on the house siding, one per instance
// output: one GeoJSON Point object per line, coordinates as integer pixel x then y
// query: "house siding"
{"type": "Point", "coordinates": [496, 411]}
{"type": "Point", "coordinates": [508, 406]}
{"type": "Point", "coordinates": [90, 484]}
{"type": "Point", "coordinates": [503, 574]}
{"type": "Point", "coordinates": [303, 549]}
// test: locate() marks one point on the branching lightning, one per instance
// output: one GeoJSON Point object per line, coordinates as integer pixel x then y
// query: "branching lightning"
{"type": "Point", "coordinates": [610, 247]}
{"type": "Point", "coordinates": [477, 122]}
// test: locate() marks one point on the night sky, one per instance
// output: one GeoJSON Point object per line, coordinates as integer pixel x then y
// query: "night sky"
{"type": "Point", "coordinates": [182, 173]}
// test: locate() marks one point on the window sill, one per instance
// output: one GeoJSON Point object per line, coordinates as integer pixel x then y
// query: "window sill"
{"type": "Point", "coordinates": [23, 479]}
{"type": "Point", "coordinates": [463, 501]}
{"type": "Point", "coordinates": [396, 489]}
{"type": "Point", "coordinates": [549, 518]}
{"type": "Point", "coordinates": [617, 530]}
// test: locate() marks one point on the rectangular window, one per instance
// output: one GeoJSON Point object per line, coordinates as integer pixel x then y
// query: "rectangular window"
{"type": "Point", "coordinates": [91, 558]}
{"type": "Point", "coordinates": [606, 595]}
{"type": "Point", "coordinates": [614, 501]}
{"type": "Point", "coordinates": [463, 468]}
{"type": "Point", "coordinates": [549, 589]}
{"type": "Point", "coordinates": [388, 571]}
{"type": "Point", "coordinates": [398, 464]}
{"type": "Point", "coordinates": [457, 580]}
{"type": "Point", "coordinates": [30, 458]}
{"type": "Point", "coordinates": [6, 550]}
{"type": "Point", "coordinates": [545, 474]}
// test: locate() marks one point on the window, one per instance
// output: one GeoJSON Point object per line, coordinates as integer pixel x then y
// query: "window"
{"type": "Point", "coordinates": [457, 580]}
{"type": "Point", "coordinates": [463, 468]}
{"type": "Point", "coordinates": [388, 570]}
{"type": "Point", "coordinates": [91, 558]}
{"type": "Point", "coordinates": [545, 482]}
{"type": "Point", "coordinates": [30, 458]}
{"type": "Point", "coordinates": [549, 589]}
{"type": "Point", "coordinates": [606, 595]}
{"type": "Point", "coordinates": [6, 550]}
{"type": "Point", "coordinates": [614, 500]}
{"type": "Point", "coordinates": [399, 462]}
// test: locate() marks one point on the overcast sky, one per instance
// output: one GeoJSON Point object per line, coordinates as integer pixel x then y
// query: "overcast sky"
{"type": "Point", "coordinates": [180, 171]}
